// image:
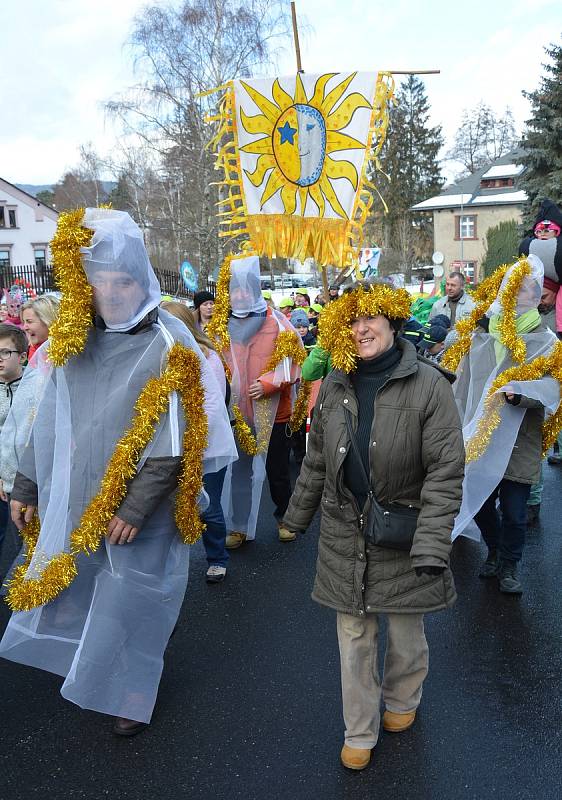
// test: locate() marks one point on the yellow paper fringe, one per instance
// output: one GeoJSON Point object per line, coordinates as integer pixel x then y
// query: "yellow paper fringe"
{"type": "Point", "coordinates": [334, 325]}
{"type": "Point", "coordinates": [327, 240]}
{"type": "Point", "coordinates": [550, 364]}
{"type": "Point", "coordinates": [182, 374]}
{"type": "Point", "coordinates": [483, 296]}
{"type": "Point", "coordinates": [68, 333]}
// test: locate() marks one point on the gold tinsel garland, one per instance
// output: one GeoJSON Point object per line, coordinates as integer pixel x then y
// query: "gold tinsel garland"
{"type": "Point", "coordinates": [300, 411]}
{"type": "Point", "coordinates": [288, 344]}
{"type": "Point", "coordinates": [334, 326]}
{"type": "Point", "coordinates": [183, 375]}
{"type": "Point", "coordinates": [490, 419]}
{"type": "Point", "coordinates": [507, 324]}
{"type": "Point", "coordinates": [217, 329]}
{"type": "Point", "coordinates": [484, 296]}
{"type": "Point", "coordinates": [68, 333]}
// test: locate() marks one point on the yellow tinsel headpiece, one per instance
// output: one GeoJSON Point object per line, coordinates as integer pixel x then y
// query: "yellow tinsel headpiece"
{"type": "Point", "coordinates": [334, 326]}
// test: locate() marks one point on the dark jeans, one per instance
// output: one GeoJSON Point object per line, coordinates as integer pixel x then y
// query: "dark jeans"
{"type": "Point", "coordinates": [277, 468]}
{"type": "Point", "coordinates": [507, 535]}
{"type": "Point", "coordinates": [214, 536]}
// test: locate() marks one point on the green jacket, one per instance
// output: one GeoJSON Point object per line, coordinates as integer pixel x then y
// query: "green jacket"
{"type": "Point", "coordinates": [416, 458]}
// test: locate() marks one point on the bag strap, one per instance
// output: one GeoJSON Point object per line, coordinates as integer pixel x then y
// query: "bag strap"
{"type": "Point", "coordinates": [367, 482]}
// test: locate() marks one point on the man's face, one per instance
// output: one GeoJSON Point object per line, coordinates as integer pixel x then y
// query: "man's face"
{"type": "Point", "coordinates": [117, 296]}
{"type": "Point", "coordinates": [453, 287]}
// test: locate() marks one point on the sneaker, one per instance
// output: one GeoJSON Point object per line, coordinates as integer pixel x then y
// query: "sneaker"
{"type": "Point", "coordinates": [216, 574]}
{"type": "Point", "coordinates": [286, 535]}
{"type": "Point", "coordinates": [489, 568]}
{"type": "Point", "coordinates": [355, 757]}
{"type": "Point", "coordinates": [509, 582]}
{"type": "Point", "coordinates": [234, 540]}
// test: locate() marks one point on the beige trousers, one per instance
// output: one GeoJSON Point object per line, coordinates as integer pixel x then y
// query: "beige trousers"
{"type": "Point", "coordinates": [406, 663]}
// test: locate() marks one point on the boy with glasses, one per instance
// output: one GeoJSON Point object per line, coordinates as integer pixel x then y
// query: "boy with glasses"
{"type": "Point", "coordinates": [13, 349]}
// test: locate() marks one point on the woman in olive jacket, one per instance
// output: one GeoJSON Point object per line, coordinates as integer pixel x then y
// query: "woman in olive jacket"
{"type": "Point", "coordinates": [408, 435]}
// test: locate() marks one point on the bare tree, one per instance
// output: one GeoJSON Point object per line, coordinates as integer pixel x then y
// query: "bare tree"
{"type": "Point", "coordinates": [183, 52]}
{"type": "Point", "coordinates": [482, 137]}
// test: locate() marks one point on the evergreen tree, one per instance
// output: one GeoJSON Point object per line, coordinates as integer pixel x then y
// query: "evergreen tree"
{"type": "Point", "coordinates": [502, 244]}
{"type": "Point", "coordinates": [120, 196]}
{"type": "Point", "coordinates": [410, 160]}
{"type": "Point", "coordinates": [542, 140]}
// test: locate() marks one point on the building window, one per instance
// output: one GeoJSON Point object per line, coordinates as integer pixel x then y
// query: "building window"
{"type": "Point", "coordinates": [40, 255]}
{"type": "Point", "coordinates": [465, 227]}
{"type": "Point", "coordinates": [4, 258]}
{"type": "Point", "coordinates": [2, 217]}
{"type": "Point", "coordinates": [12, 217]}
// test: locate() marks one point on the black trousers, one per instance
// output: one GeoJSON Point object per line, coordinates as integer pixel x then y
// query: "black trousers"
{"type": "Point", "coordinates": [277, 468]}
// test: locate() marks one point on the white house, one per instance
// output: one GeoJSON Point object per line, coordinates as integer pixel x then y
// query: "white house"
{"type": "Point", "coordinates": [26, 228]}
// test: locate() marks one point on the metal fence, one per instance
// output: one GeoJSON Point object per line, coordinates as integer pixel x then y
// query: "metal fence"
{"type": "Point", "coordinates": [40, 279]}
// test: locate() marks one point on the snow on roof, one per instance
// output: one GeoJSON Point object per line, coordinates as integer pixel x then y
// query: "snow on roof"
{"type": "Point", "coordinates": [504, 171]}
{"type": "Point", "coordinates": [444, 200]}
{"type": "Point", "coordinates": [504, 197]}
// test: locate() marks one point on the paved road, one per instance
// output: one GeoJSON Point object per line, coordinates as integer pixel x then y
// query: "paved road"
{"type": "Point", "coordinates": [249, 703]}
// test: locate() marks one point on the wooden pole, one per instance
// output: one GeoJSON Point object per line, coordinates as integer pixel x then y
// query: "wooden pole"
{"type": "Point", "coordinates": [325, 284]}
{"type": "Point", "coordinates": [296, 36]}
{"type": "Point", "coordinates": [414, 71]}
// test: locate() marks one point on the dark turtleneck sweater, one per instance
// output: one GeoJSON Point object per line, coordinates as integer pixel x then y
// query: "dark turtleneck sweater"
{"type": "Point", "coordinates": [367, 379]}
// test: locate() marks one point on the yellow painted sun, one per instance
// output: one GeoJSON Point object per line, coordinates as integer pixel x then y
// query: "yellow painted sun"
{"type": "Point", "coordinates": [300, 136]}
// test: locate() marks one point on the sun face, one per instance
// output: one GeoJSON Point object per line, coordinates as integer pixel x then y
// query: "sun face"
{"type": "Point", "coordinates": [300, 136]}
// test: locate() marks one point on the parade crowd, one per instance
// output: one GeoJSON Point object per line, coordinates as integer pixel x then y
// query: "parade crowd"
{"type": "Point", "coordinates": [427, 420]}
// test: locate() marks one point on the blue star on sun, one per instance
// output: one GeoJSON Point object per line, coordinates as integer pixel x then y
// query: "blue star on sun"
{"type": "Point", "coordinates": [287, 133]}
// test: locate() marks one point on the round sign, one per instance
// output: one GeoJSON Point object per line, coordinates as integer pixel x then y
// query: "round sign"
{"type": "Point", "coordinates": [438, 271]}
{"type": "Point", "coordinates": [438, 257]}
{"type": "Point", "coordinates": [188, 276]}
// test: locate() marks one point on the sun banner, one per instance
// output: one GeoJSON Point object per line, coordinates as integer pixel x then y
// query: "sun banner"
{"type": "Point", "coordinates": [294, 153]}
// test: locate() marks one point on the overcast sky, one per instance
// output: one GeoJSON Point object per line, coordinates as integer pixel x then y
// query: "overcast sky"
{"type": "Point", "coordinates": [63, 58]}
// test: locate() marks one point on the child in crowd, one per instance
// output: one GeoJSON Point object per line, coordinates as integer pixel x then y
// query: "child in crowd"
{"type": "Point", "coordinates": [299, 320]}
{"type": "Point", "coordinates": [13, 350]}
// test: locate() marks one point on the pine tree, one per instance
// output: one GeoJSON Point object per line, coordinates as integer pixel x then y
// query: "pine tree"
{"type": "Point", "coordinates": [542, 140]}
{"type": "Point", "coordinates": [410, 160]}
{"type": "Point", "coordinates": [502, 243]}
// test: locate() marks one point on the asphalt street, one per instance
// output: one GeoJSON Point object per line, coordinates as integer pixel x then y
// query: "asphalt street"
{"type": "Point", "coordinates": [249, 704]}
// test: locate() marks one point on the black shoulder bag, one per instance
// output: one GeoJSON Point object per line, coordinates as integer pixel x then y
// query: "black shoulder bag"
{"type": "Point", "coordinates": [393, 527]}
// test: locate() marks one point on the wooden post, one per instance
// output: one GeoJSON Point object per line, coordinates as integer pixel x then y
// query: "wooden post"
{"type": "Point", "coordinates": [325, 284]}
{"type": "Point", "coordinates": [296, 36]}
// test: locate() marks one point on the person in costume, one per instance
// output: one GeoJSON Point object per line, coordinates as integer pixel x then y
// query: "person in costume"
{"type": "Point", "coordinates": [264, 398]}
{"type": "Point", "coordinates": [37, 316]}
{"type": "Point", "coordinates": [545, 242]}
{"type": "Point", "coordinates": [14, 301]}
{"type": "Point", "coordinates": [385, 426]}
{"type": "Point", "coordinates": [203, 305]}
{"type": "Point", "coordinates": [105, 465]}
{"type": "Point", "coordinates": [214, 535]}
{"type": "Point", "coordinates": [508, 380]}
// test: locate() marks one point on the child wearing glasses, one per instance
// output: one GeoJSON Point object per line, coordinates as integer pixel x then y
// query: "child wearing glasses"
{"type": "Point", "coordinates": [13, 353]}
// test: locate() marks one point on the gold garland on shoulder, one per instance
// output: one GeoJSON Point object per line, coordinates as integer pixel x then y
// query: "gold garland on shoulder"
{"type": "Point", "coordinates": [334, 326]}
{"type": "Point", "coordinates": [68, 333]}
{"type": "Point", "coordinates": [183, 375]}
{"type": "Point", "coordinates": [550, 364]}
{"type": "Point", "coordinates": [484, 296]}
